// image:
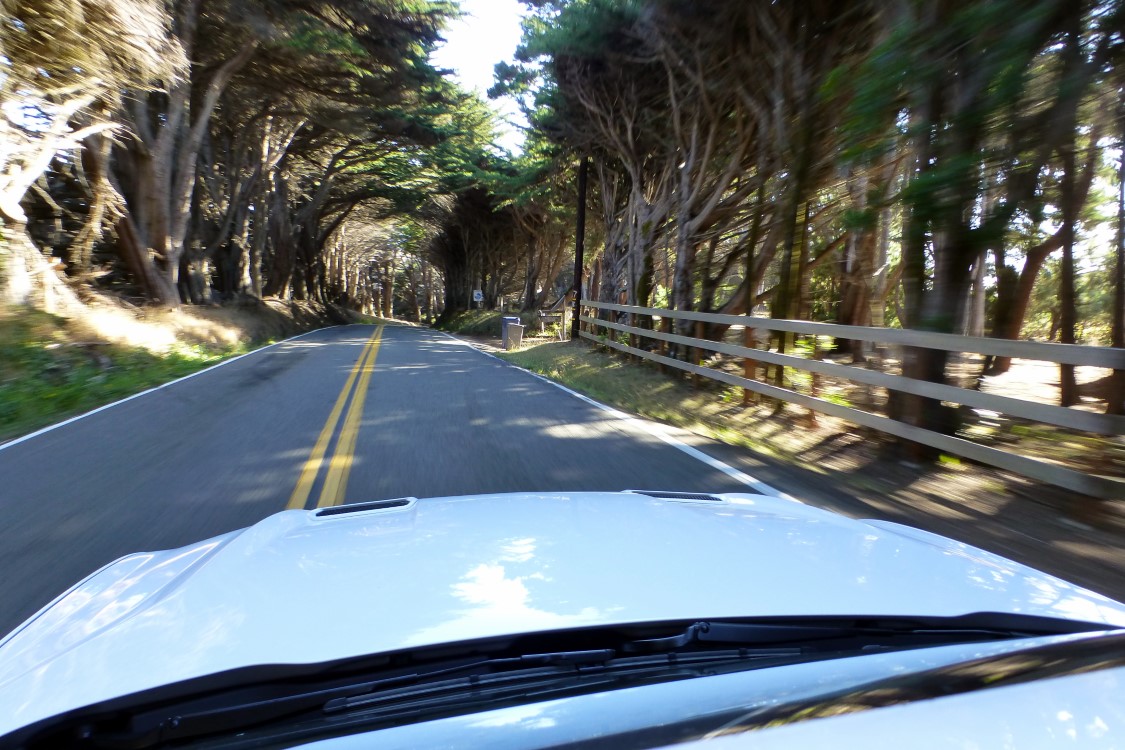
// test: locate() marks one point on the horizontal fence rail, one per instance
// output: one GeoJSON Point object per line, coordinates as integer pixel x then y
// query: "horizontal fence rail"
{"type": "Point", "coordinates": [1051, 473]}
{"type": "Point", "coordinates": [1066, 354]}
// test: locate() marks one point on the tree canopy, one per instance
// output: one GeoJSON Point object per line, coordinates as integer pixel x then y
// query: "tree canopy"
{"type": "Point", "coordinates": [946, 166]}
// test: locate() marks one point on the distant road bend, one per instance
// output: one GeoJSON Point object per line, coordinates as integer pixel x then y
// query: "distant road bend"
{"type": "Point", "coordinates": [344, 414]}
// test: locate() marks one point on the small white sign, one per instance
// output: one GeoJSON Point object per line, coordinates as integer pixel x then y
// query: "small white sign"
{"type": "Point", "coordinates": [478, 295]}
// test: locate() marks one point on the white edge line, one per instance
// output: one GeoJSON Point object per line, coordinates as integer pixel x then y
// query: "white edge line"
{"type": "Point", "coordinates": [657, 430]}
{"type": "Point", "coordinates": [64, 423]}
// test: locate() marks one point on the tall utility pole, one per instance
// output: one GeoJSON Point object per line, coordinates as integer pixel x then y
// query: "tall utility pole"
{"type": "Point", "coordinates": [579, 244]}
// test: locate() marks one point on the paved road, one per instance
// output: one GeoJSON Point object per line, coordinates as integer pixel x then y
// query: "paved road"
{"type": "Point", "coordinates": [341, 415]}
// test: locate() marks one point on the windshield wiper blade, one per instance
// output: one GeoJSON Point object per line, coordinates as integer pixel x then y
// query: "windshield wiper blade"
{"type": "Point", "coordinates": [555, 667]}
{"type": "Point", "coordinates": [418, 688]}
{"type": "Point", "coordinates": [554, 661]}
{"type": "Point", "coordinates": [164, 724]}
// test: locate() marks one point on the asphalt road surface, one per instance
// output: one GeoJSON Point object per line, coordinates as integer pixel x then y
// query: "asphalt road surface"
{"type": "Point", "coordinates": [345, 414]}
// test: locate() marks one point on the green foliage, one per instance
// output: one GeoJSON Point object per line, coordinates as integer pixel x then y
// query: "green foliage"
{"type": "Point", "coordinates": [47, 374]}
{"type": "Point", "coordinates": [588, 35]}
{"type": "Point", "coordinates": [474, 323]}
{"type": "Point", "coordinates": [1094, 302]}
{"type": "Point", "coordinates": [311, 37]}
{"type": "Point", "coordinates": [485, 322]}
{"type": "Point", "coordinates": [866, 220]}
{"type": "Point", "coordinates": [576, 29]}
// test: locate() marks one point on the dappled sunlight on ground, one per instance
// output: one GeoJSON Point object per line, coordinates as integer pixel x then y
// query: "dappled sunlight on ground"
{"type": "Point", "coordinates": [1039, 381]}
{"type": "Point", "coordinates": [159, 331]}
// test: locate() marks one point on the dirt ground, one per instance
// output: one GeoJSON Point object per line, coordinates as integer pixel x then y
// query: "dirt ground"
{"type": "Point", "coordinates": [246, 321]}
{"type": "Point", "coordinates": [856, 472]}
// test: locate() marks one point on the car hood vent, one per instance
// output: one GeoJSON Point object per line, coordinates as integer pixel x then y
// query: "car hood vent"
{"type": "Point", "coordinates": [340, 510]}
{"type": "Point", "coordinates": [677, 495]}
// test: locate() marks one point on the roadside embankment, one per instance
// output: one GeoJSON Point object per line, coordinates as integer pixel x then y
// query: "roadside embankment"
{"type": "Point", "coordinates": [53, 367]}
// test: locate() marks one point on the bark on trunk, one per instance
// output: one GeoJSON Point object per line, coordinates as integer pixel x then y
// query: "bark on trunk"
{"type": "Point", "coordinates": [158, 166]}
{"type": "Point", "coordinates": [389, 287]}
{"type": "Point", "coordinates": [29, 278]}
{"type": "Point", "coordinates": [1115, 402]}
{"type": "Point", "coordinates": [1068, 386]}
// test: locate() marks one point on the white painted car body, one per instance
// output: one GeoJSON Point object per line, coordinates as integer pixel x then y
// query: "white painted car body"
{"type": "Point", "coordinates": [305, 588]}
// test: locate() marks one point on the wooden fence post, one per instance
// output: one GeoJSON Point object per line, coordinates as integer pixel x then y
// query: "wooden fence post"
{"type": "Point", "coordinates": [697, 355]}
{"type": "Point", "coordinates": [814, 386]}
{"type": "Point", "coordinates": [749, 366]}
{"type": "Point", "coordinates": [662, 345]}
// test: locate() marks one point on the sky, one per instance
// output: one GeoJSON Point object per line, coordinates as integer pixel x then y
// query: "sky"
{"type": "Point", "coordinates": [488, 34]}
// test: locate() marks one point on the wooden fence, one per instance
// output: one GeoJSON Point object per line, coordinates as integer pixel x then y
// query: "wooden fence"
{"type": "Point", "coordinates": [1045, 471]}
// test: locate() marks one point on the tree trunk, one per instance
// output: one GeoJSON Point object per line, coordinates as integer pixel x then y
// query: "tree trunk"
{"type": "Point", "coordinates": [974, 313]}
{"type": "Point", "coordinates": [785, 301]}
{"type": "Point", "coordinates": [156, 286]}
{"type": "Point", "coordinates": [531, 279]}
{"type": "Point", "coordinates": [1115, 401]}
{"type": "Point", "coordinates": [1068, 386]}
{"type": "Point", "coordinates": [389, 287]}
{"type": "Point", "coordinates": [858, 271]}
{"type": "Point", "coordinates": [157, 170]}
{"type": "Point", "coordinates": [281, 241]}
{"type": "Point", "coordinates": [1013, 310]}
{"type": "Point", "coordinates": [94, 157]}
{"type": "Point", "coordinates": [28, 278]}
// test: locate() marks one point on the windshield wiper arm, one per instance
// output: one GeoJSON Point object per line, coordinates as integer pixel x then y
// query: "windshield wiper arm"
{"type": "Point", "coordinates": [864, 633]}
{"type": "Point", "coordinates": [734, 633]}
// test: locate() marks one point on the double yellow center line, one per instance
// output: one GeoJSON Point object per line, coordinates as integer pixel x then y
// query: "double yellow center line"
{"type": "Point", "coordinates": [336, 480]}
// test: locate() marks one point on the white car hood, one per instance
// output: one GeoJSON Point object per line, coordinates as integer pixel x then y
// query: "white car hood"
{"type": "Point", "coordinates": [298, 588]}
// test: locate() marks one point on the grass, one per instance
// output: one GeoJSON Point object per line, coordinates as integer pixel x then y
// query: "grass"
{"type": "Point", "coordinates": [485, 322]}
{"type": "Point", "coordinates": [713, 410]}
{"type": "Point", "coordinates": [716, 410]}
{"type": "Point", "coordinates": [51, 369]}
